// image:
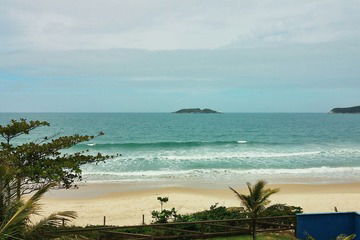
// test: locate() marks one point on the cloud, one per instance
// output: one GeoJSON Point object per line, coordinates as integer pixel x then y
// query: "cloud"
{"type": "Point", "coordinates": [330, 65]}
{"type": "Point", "coordinates": [181, 24]}
{"type": "Point", "coordinates": [236, 55]}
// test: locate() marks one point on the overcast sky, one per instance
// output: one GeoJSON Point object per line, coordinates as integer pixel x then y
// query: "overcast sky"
{"type": "Point", "coordinates": [159, 56]}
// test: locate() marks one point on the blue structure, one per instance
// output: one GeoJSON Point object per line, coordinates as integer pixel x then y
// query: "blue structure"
{"type": "Point", "coordinates": [327, 226]}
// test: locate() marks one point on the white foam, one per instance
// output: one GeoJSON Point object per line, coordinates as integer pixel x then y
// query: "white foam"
{"type": "Point", "coordinates": [242, 141]}
{"type": "Point", "coordinates": [237, 155]}
{"type": "Point", "coordinates": [319, 171]}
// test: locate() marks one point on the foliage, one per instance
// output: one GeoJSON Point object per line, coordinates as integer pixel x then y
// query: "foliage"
{"type": "Point", "coordinates": [17, 224]}
{"type": "Point", "coordinates": [281, 210]}
{"type": "Point", "coordinates": [258, 198]}
{"type": "Point", "coordinates": [36, 166]}
{"type": "Point", "coordinates": [42, 160]}
{"type": "Point", "coordinates": [255, 203]}
{"type": "Point", "coordinates": [215, 212]}
{"type": "Point", "coordinates": [27, 167]}
{"type": "Point", "coordinates": [164, 215]}
{"type": "Point", "coordinates": [162, 201]}
{"type": "Point", "coordinates": [340, 237]}
{"type": "Point", "coordinates": [271, 236]}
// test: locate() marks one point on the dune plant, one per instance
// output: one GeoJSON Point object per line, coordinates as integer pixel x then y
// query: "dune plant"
{"type": "Point", "coordinates": [163, 215]}
{"type": "Point", "coordinates": [256, 201]}
{"type": "Point", "coordinates": [162, 200]}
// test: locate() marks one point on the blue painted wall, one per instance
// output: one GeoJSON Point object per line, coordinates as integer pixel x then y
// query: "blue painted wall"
{"type": "Point", "coordinates": [327, 226]}
{"type": "Point", "coordinates": [357, 225]}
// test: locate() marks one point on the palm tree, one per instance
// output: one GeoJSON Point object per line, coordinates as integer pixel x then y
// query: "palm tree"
{"type": "Point", "coordinates": [256, 201]}
{"type": "Point", "coordinates": [17, 225]}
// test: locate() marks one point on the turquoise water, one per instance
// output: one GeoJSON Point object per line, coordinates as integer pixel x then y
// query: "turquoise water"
{"type": "Point", "coordinates": [281, 147]}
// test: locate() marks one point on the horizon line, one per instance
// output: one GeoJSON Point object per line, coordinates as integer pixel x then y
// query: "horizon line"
{"type": "Point", "coordinates": [156, 112]}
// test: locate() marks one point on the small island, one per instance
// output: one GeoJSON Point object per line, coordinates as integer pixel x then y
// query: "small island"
{"type": "Point", "coordinates": [355, 109]}
{"type": "Point", "coordinates": [196, 110]}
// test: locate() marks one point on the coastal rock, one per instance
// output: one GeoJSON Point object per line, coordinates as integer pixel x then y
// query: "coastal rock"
{"type": "Point", "coordinates": [196, 110]}
{"type": "Point", "coordinates": [355, 109]}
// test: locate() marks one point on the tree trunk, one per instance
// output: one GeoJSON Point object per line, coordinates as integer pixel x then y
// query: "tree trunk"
{"type": "Point", "coordinates": [2, 200]}
{"type": "Point", "coordinates": [254, 228]}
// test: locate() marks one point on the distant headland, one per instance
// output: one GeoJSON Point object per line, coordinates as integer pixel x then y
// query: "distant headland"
{"type": "Point", "coordinates": [355, 109]}
{"type": "Point", "coordinates": [196, 110]}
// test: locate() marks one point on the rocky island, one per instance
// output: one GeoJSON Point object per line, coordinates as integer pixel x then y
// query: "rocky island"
{"type": "Point", "coordinates": [196, 110]}
{"type": "Point", "coordinates": [355, 109]}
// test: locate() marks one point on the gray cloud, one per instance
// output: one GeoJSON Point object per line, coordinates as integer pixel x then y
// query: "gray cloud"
{"type": "Point", "coordinates": [182, 24]}
{"type": "Point", "coordinates": [306, 66]}
{"type": "Point", "coordinates": [140, 55]}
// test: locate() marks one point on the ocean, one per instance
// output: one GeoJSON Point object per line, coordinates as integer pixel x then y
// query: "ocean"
{"type": "Point", "coordinates": [212, 148]}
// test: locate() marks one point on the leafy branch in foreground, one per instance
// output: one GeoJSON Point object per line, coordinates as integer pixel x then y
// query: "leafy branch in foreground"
{"type": "Point", "coordinates": [17, 224]}
{"type": "Point", "coordinates": [29, 166]}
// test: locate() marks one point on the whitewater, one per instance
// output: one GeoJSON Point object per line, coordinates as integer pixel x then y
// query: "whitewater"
{"type": "Point", "coordinates": [212, 148]}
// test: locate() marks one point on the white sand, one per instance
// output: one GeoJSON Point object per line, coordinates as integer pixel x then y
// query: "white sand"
{"type": "Point", "coordinates": [93, 201]}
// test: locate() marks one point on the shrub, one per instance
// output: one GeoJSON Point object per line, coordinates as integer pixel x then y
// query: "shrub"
{"type": "Point", "coordinates": [281, 210]}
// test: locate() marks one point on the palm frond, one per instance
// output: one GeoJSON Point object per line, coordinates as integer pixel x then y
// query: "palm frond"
{"type": "Point", "coordinates": [267, 193]}
{"type": "Point", "coordinates": [249, 186]}
{"type": "Point", "coordinates": [20, 218]}
{"type": "Point", "coordinates": [245, 199]}
{"type": "Point", "coordinates": [258, 189]}
{"type": "Point", "coordinates": [257, 199]}
{"type": "Point", "coordinates": [54, 220]}
{"type": "Point", "coordinates": [236, 193]}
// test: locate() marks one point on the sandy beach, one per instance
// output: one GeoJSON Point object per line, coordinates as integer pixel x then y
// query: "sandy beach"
{"type": "Point", "coordinates": [124, 204]}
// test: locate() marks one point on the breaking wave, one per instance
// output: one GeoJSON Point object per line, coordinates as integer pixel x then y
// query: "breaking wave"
{"type": "Point", "coordinates": [171, 144]}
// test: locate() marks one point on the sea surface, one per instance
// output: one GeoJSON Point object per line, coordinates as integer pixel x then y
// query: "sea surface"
{"type": "Point", "coordinates": [212, 148]}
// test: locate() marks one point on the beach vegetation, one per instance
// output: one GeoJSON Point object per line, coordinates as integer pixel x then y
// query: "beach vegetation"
{"type": "Point", "coordinates": [164, 215]}
{"type": "Point", "coordinates": [162, 201]}
{"type": "Point", "coordinates": [340, 237]}
{"type": "Point", "coordinates": [17, 222]}
{"type": "Point", "coordinates": [215, 212]}
{"type": "Point", "coordinates": [281, 210]}
{"type": "Point", "coordinates": [269, 236]}
{"type": "Point", "coordinates": [256, 201]}
{"type": "Point", "coordinates": [30, 165]}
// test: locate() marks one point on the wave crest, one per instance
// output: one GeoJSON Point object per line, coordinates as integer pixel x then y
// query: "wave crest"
{"type": "Point", "coordinates": [325, 173]}
{"type": "Point", "coordinates": [170, 144]}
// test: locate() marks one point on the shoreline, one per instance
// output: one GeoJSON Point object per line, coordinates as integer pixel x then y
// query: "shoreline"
{"type": "Point", "coordinates": [220, 177]}
{"type": "Point", "coordinates": [124, 204]}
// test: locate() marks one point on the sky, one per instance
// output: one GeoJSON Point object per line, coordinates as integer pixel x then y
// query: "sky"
{"type": "Point", "coordinates": [162, 55]}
